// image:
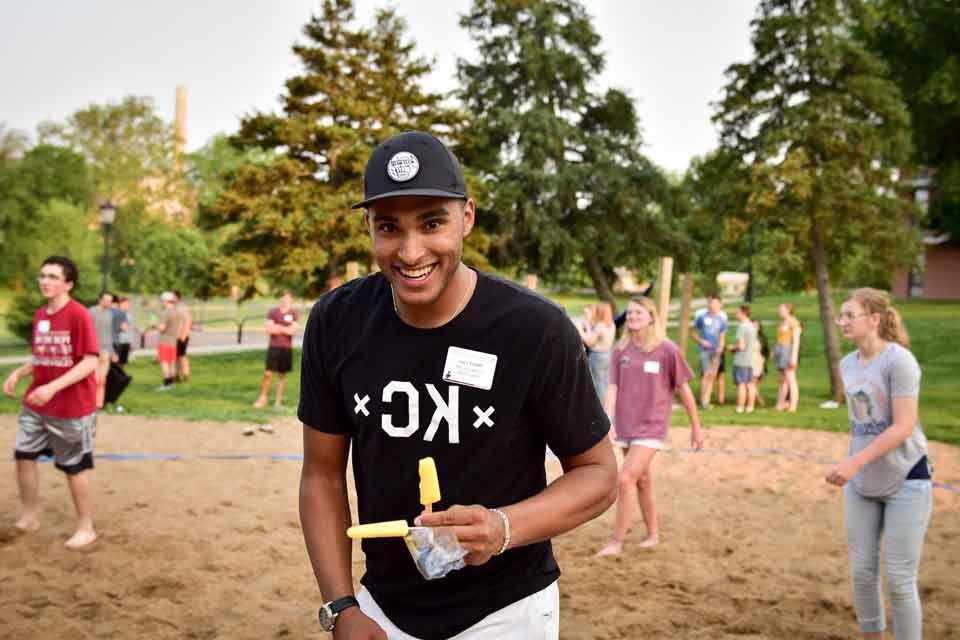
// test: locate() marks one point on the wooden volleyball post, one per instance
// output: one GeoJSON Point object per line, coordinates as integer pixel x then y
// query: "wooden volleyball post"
{"type": "Point", "coordinates": [663, 294]}
{"type": "Point", "coordinates": [686, 300]}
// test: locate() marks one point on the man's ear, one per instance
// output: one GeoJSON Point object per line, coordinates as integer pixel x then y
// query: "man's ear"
{"type": "Point", "coordinates": [469, 216]}
{"type": "Point", "coordinates": [366, 222]}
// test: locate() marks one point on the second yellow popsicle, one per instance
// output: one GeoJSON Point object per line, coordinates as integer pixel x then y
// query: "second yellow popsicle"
{"type": "Point", "coordinates": [429, 483]}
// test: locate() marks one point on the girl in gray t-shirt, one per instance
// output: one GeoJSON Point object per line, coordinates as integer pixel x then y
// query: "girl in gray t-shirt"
{"type": "Point", "coordinates": [886, 477]}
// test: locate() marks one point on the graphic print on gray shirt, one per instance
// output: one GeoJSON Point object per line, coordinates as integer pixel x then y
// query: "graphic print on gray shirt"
{"type": "Point", "coordinates": [870, 390]}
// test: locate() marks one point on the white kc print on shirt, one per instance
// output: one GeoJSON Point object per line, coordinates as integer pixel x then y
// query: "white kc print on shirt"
{"type": "Point", "coordinates": [445, 409]}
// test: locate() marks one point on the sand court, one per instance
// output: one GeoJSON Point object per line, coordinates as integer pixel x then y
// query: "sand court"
{"type": "Point", "coordinates": [200, 538]}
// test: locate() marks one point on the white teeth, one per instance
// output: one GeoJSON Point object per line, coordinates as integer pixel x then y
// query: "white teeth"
{"type": "Point", "coordinates": [418, 273]}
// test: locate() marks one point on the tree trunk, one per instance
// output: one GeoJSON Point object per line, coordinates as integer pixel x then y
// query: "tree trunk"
{"type": "Point", "coordinates": [600, 283]}
{"type": "Point", "coordinates": [831, 342]}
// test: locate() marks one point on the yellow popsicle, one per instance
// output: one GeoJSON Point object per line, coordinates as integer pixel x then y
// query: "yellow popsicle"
{"type": "Point", "coordinates": [391, 529]}
{"type": "Point", "coordinates": [429, 483]}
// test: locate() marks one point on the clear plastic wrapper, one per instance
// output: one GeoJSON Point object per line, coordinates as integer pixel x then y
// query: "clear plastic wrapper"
{"type": "Point", "coordinates": [435, 550]}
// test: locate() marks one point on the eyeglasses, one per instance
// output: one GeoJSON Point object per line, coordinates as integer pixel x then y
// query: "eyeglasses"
{"type": "Point", "coordinates": [849, 317]}
{"type": "Point", "coordinates": [48, 276]}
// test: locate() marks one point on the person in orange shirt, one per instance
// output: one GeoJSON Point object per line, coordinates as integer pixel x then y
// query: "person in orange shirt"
{"type": "Point", "coordinates": [786, 354]}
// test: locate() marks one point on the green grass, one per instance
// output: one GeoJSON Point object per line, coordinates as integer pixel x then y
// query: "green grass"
{"type": "Point", "coordinates": [223, 386]}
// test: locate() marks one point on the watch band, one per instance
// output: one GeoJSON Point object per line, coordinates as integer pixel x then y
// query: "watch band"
{"type": "Point", "coordinates": [338, 605]}
{"type": "Point", "coordinates": [327, 614]}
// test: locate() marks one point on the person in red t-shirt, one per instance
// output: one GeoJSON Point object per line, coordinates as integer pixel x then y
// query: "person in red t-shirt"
{"type": "Point", "coordinates": [645, 370]}
{"type": "Point", "coordinates": [281, 327]}
{"type": "Point", "coordinates": [59, 411]}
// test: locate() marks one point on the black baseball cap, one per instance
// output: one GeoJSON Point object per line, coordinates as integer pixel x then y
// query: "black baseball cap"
{"type": "Point", "coordinates": [412, 163]}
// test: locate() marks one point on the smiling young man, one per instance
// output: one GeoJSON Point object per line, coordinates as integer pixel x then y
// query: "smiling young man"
{"type": "Point", "coordinates": [58, 416]}
{"type": "Point", "coordinates": [429, 357]}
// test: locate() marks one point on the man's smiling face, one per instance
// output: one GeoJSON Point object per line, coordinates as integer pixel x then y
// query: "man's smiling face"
{"type": "Point", "coordinates": [417, 243]}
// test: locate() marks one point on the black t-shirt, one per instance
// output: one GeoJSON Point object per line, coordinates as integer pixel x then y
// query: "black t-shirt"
{"type": "Point", "coordinates": [367, 374]}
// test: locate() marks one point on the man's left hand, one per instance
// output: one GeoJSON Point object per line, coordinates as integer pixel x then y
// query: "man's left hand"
{"type": "Point", "coordinates": [41, 395]}
{"type": "Point", "coordinates": [479, 530]}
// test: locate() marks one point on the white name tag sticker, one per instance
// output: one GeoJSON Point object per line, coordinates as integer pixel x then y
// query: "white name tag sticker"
{"type": "Point", "coordinates": [288, 318]}
{"type": "Point", "coordinates": [651, 366]}
{"type": "Point", "coordinates": [43, 326]}
{"type": "Point", "coordinates": [708, 322]}
{"type": "Point", "coordinates": [470, 368]}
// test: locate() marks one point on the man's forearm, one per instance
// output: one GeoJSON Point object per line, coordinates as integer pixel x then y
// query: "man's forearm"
{"type": "Point", "coordinates": [76, 373]}
{"type": "Point", "coordinates": [580, 494]}
{"type": "Point", "coordinates": [325, 517]}
{"type": "Point", "coordinates": [24, 370]}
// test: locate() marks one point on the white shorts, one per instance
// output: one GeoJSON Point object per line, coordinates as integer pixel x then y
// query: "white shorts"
{"type": "Point", "coordinates": [536, 617]}
{"type": "Point", "coordinates": [649, 443]}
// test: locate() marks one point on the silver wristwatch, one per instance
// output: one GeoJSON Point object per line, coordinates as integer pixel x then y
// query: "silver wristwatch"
{"type": "Point", "coordinates": [328, 612]}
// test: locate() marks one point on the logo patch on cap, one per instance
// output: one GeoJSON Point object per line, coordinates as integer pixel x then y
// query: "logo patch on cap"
{"type": "Point", "coordinates": [403, 166]}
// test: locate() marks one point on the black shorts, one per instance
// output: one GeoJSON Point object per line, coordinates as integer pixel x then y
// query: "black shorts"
{"type": "Point", "coordinates": [723, 363]}
{"type": "Point", "coordinates": [123, 352]}
{"type": "Point", "coordinates": [182, 347]}
{"type": "Point", "coordinates": [279, 359]}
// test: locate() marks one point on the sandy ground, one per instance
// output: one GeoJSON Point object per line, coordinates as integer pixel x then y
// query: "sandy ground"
{"type": "Point", "coordinates": [200, 547]}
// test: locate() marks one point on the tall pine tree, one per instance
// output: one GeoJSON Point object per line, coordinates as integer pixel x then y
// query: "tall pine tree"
{"type": "Point", "coordinates": [824, 132]}
{"type": "Point", "coordinates": [568, 183]}
{"type": "Point", "coordinates": [288, 219]}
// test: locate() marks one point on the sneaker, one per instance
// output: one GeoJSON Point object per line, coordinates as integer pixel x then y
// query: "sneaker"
{"type": "Point", "coordinates": [830, 404]}
{"type": "Point", "coordinates": [739, 409]}
{"type": "Point", "coordinates": [164, 387]}
{"type": "Point", "coordinates": [249, 431]}
{"type": "Point", "coordinates": [266, 428]}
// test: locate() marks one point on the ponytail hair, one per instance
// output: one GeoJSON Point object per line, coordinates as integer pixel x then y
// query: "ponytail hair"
{"type": "Point", "coordinates": [876, 301]}
{"type": "Point", "coordinates": [655, 334]}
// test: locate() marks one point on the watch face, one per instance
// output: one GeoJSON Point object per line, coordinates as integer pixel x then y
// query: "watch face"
{"type": "Point", "coordinates": [327, 618]}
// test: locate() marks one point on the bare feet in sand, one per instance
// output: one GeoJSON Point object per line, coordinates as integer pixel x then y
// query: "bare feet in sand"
{"type": "Point", "coordinates": [27, 524]}
{"type": "Point", "coordinates": [81, 539]}
{"type": "Point", "coordinates": [649, 541]}
{"type": "Point", "coordinates": [613, 548]}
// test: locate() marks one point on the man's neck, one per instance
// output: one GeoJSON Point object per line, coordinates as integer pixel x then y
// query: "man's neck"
{"type": "Point", "coordinates": [56, 303]}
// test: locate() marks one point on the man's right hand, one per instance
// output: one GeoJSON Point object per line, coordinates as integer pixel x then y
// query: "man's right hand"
{"type": "Point", "coordinates": [10, 383]}
{"type": "Point", "coordinates": [353, 624]}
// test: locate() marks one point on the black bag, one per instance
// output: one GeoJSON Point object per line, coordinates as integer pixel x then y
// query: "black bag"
{"type": "Point", "coordinates": [117, 381]}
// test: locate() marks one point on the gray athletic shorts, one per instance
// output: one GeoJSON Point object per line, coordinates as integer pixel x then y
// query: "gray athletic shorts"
{"type": "Point", "coordinates": [68, 440]}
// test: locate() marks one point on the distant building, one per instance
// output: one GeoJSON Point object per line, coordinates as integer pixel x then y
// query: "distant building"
{"type": "Point", "coordinates": [936, 276]}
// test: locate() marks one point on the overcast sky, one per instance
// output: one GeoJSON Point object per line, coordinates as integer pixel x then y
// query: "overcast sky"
{"type": "Point", "coordinates": [233, 57]}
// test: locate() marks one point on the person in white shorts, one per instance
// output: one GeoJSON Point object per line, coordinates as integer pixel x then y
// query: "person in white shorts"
{"type": "Point", "coordinates": [645, 371]}
{"type": "Point", "coordinates": [428, 357]}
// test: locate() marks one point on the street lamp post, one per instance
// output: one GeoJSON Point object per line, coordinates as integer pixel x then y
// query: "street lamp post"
{"type": "Point", "coordinates": [107, 215]}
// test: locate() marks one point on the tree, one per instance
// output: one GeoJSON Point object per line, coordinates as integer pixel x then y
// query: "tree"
{"type": "Point", "coordinates": [58, 227]}
{"type": "Point", "coordinates": [919, 40]}
{"type": "Point", "coordinates": [124, 143]}
{"type": "Point", "coordinates": [148, 255]}
{"type": "Point", "coordinates": [567, 181]}
{"type": "Point", "coordinates": [13, 143]}
{"type": "Point", "coordinates": [29, 187]}
{"type": "Point", "coordinates": [287, 220]}
{"type": "Point", "coordinates": [823, 131]}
